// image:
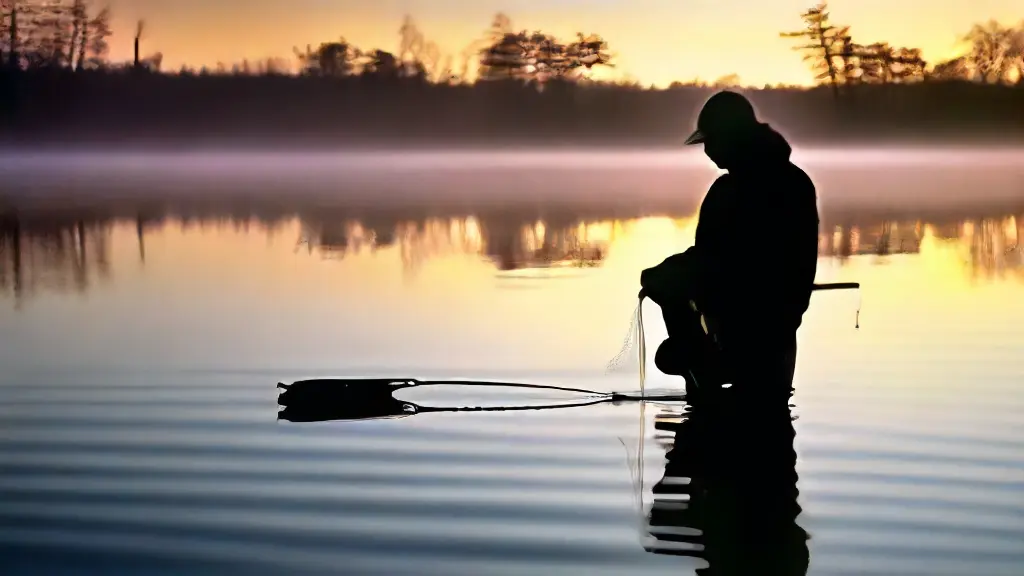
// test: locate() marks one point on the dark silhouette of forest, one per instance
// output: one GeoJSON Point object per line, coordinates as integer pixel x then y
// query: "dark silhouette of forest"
{"type": "Point", "coordinates": [509, 87]}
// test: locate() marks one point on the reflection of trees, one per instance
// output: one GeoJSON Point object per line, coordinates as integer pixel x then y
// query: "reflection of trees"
{"type": "Point", "coordinates": [880, 239]}
{"type": "Point", "coordinates": [993, 245]}
{"type": "Point", "coordinates": [69, 250]}
{"type": "Point", "coordinates": [338, 241]}
{"type": "Point", "coordinates": [52, 255]}
{"type": "Point", "coordinates": [419, 242]}
{"type": "Point", "coordinates": [557, 242]}
{"type": "Point", "coordinates": [514, 242]}
{"type": "Point", "coordinates": [511, 242]}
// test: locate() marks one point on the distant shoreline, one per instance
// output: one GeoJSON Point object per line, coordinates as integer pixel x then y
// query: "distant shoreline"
{"type": "Point", "coordinates": [163, 112]}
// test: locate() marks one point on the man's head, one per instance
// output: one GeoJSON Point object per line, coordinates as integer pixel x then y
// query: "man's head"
{"type": "Point", "coordinates": [724, 121]}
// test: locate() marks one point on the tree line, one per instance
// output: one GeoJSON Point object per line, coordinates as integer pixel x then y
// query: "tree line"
{"type": "Point", "coordinates": [53, 34]}
{"type": "Point", "coordinates": [510, 85]}
{"type": "Point", "coordinates": [503, 53]}
{"type": "Point", "coordinates": [73, 35]}
{"type": "Point", "coordinates": [995, 55]}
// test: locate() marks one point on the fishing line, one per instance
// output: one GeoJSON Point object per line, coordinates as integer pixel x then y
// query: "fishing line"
{"type": "Point", "coordinates": [634, 340]}
{"type": "Point", "coordinates": [320, 400]}
{"type": "Point", "coordinates": [598, 396]}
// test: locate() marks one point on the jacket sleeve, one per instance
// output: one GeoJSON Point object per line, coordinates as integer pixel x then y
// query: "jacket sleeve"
{"type": "Point", "coordinates": [671, 280]}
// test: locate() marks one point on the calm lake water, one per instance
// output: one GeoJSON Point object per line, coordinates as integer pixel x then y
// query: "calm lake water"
{"type": "Point", "coordinates": [150, 304]}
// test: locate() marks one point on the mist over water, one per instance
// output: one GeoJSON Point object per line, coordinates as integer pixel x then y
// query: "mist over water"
{"type": "Point", "coordinates": [908, 182]}
{"type": "Point", "coordinates": [149, 304]}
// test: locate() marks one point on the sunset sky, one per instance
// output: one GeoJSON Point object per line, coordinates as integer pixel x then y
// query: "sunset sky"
{"type": "Point", "coordinates": [656, 41]}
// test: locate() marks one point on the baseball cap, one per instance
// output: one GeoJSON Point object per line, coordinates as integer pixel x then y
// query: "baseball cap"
{"type": "Point", "coordinates": [726, 112]}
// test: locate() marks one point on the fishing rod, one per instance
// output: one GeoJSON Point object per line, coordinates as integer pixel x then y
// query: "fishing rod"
{"type": "Point", "coordinates": [835, 286]}
{"type": "Point", "coordinates": [814, 287]}
{"type": "Point", "coordinates": [334, 399]}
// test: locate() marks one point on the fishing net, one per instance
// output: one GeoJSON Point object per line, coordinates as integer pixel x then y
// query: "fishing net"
{"type": "Point", "coordinates": [632, 357]}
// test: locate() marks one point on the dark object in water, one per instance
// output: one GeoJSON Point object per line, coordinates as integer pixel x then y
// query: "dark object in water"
{"type": "Point", "coordinates": [328, 399]}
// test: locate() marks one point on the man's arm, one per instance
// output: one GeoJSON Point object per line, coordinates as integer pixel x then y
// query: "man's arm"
{"type": "Point", "coordinates": [670, 281]}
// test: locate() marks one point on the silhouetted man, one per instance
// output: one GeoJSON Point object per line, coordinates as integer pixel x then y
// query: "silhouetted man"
{"type": "Point", "coordinates": [752, 267]}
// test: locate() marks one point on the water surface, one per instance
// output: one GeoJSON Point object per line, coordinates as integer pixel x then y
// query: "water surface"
{"type": "Point", "coordinates": [148, 311]}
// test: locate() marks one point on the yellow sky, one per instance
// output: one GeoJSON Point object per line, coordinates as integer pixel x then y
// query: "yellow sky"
{"type": "Point", "coordinates": [657, 41]}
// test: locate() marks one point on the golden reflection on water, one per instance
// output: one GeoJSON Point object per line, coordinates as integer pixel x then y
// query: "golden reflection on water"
{"type": "Point", "coordinates": [988, 247]}
{"type": "Point", "coordinates": [77, 255]}
{"type": "Point", "coordinates": [560, 291]}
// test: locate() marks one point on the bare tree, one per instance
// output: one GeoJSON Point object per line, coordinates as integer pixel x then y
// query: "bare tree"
{"type": "Point", "coordinates": [824, 43]}
{"type": "Point", "coordinates": [152, 62]}
{"type": "Point", "coordinates": [380, 65]}
{"type": "Point", "coordinates": [549, 58]}
{"type": "Point", "coordinates": [1016, 51]}
{"type": "Point", "coordinates": [79, 24]}
{"type": "Point", "coordinates": [49, 37]}
{"type": "Point", "coordinates": [49, 33]}
{"type": "Point", "coordinates": [537, 56]}
{"type": "Point", "coordinates": [877, 63]}
{"type": "Point", "coordinates": [471, 54]}
{"type": "Point", "coordinates": [881, 63]}
{"type": "Point", "coordinates": [20, 21]}
{"type": "Point", "coordinates": [728, 81]}
{"type": "Point", "coordinates": [274, 66]}
{"type": "Point", "coordinates": [420, 57]}
{"type": "Point", "coordinates": [907, 65]}
{"type": "Point", "coordinates": [98, 32]}
{"type": "Point", "coordinates": [507, 58]}
{"type": "Point", "coordinates": [10, 25]}
{"type": "Point", "coordinates": [995, 55]}
{"type": "Point", "coordinates": [333, 59]}
{"type": "Point", "coordinates": [954, 69]}
{"type": "Point", "coordinates": [140, 27]}
{"type": "Point", "coordinates": [588, 51]}
{"type": "Point", "coordinates": [38, 33]}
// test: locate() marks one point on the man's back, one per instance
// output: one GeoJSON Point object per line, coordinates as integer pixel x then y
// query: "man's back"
{"type": "Point", "coordinates": [757, 241]}
{"type": "Point", "coordinates": [751, 271]}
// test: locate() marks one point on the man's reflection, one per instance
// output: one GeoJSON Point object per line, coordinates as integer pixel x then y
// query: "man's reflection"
{"type": "Point", "coordinates": [729, 492]}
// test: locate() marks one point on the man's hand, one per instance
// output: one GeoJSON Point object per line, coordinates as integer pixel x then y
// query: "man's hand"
{"type": "Point", "coordinates": [673, 279]}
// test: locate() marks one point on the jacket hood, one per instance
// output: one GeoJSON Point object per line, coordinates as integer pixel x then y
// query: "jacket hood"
{"type": "Point", "coordinates": [762, 148]}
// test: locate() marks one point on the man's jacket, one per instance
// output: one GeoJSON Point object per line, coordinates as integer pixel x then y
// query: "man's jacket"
{"type": "Point", "coordinates": [751, 269]}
